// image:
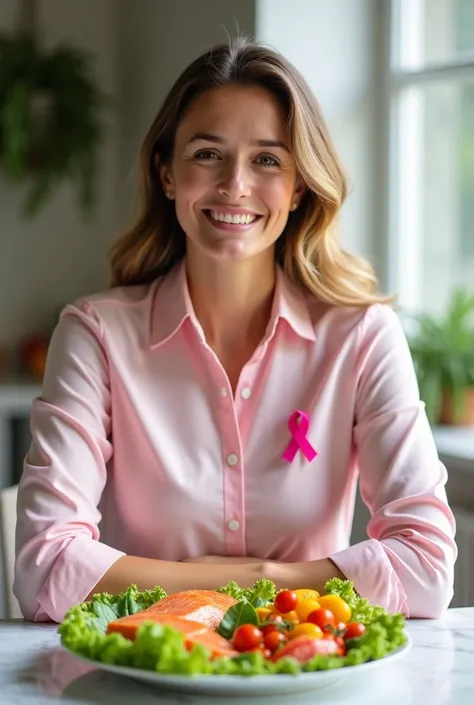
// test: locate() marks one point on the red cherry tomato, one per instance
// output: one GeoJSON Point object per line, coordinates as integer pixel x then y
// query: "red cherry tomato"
{"type": "Point", "coordinates": [354, 630]}
{"type": "Point", "coordinates": [273, 640]}
{"type": "Point", "coordinates": [322, 618]}
{"type": "Point", "coordinates": [286, 601]}
{"type": "Point", "coordinates": [247, 637]}
{"type": "Point", "coordinates": [274, 623]}
{"type": "Point", "coordinates": [341, 644]}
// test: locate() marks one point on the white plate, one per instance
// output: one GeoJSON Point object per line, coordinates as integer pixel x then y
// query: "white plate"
{"type": "Point", "coordinates": [235, 686]}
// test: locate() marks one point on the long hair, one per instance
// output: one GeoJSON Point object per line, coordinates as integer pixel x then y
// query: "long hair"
{"type": "Point", "coordinates": [308, 249]}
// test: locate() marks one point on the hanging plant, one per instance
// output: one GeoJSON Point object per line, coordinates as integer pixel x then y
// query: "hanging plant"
{"type": "Point", "coordinates": [50, 120]}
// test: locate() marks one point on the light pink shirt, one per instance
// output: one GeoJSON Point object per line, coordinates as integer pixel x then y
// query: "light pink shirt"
{"type": "Point", "coordinates": [139, 447]}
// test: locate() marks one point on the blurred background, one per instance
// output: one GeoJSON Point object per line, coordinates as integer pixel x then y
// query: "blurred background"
{"type": "Point", "coordinates": [80, 83]}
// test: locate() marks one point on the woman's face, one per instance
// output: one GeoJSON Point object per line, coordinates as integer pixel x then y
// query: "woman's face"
{"type": "Point", "coordinates": [233, 174]}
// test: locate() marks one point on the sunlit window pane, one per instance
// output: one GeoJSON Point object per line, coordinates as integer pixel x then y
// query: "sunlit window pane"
{"type": "Point", "coordinates": [435, 192]}
{"type": "Point", "coordinates": [434, 31]}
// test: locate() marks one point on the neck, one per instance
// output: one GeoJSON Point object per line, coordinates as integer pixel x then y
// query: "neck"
{"type": "Point", "coordinates": [232, 301]}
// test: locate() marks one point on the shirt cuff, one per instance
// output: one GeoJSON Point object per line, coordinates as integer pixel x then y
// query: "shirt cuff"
{"type": "Point", "coordinates": [78, 568]}
{"type": "Point", "coordinates": [367, 565]}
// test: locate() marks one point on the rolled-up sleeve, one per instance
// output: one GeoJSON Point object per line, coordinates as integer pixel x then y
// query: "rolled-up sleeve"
{"type": "Point", "coordinates": [407, 564]}
{"type": "Point", "coordinates": [59, 557]}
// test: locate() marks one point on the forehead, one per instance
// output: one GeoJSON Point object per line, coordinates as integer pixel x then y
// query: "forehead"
{"type": "Point", "coordinates": [230, 111]}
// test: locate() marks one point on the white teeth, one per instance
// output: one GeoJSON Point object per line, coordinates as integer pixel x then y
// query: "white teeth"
{"type": "Point", "coordinates": [235, 219]}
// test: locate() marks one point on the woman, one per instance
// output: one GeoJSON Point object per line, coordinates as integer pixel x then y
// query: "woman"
{"type": "Point", "coordinates": [212, 411]}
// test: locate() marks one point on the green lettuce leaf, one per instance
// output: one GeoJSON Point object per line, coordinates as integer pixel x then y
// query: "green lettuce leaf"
{"type": "Point", "coordinates": [262, 592]}
{"type": "Point", "coordinates": [161, 648]}
{"type": "Point", "coordinates": [362, 610]}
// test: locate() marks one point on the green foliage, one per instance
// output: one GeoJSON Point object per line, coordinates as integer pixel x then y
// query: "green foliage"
{"type": "Point", "coordinates": [50, 127]}
{"type": "Point", "coordinates": [262, 592]}
{"type": "Point", "coordinates": [443, 353]}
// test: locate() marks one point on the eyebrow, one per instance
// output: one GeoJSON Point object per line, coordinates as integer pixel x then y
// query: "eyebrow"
{"type": "Point", "coordinates": [206, 137]}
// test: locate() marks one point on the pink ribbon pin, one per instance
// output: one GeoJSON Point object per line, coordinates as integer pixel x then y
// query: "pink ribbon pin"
{"type": "Point", "coordinates": [299, 441]}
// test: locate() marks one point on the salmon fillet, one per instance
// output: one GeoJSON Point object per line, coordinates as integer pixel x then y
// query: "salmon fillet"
{"type": "Point", "coordinates": [196, 613]}
{"type": "Point", "coordinates": [204, 606]}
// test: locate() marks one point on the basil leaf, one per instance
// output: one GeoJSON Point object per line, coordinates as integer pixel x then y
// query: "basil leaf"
{"type": "Point", "coordinates": [259, 602]}
{"type": "Point", "coordinates": [127, 605]}
{"type": "Point", "coordinates": [103, 615]}
{"type": "Point", "coordinates": [241, 613]}
{"type": "Point", "coordinates": [132, 605]}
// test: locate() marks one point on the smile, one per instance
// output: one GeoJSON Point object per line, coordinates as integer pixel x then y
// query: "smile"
{"type": "Point", "coordinates": [233, 218]}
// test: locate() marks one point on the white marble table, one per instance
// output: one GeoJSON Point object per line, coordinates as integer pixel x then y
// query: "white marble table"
{"type": "Point", "coordinates": [438, 670]}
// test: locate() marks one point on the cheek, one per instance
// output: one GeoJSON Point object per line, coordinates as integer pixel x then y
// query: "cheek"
{"type": "Point", "coordinates": [191, 180]}
{"type": "Point", "coordinates": [277, 196]}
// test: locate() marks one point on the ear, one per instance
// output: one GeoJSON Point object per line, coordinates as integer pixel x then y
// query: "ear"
{"type": "Point", "coordinates": [298, 193]}
{"type": "Point", "coordinates": [166, 177]}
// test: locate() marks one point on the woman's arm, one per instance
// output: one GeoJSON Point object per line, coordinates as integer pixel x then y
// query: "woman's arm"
{"type": "Point", "coordinates": [210, 574]}
{"type": "Point", "coordinates": [59, 557]}
{"type": "Point", "coordinates": [407, 564]}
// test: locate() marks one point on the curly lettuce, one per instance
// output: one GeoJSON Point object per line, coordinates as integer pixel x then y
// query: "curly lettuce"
{"type": "Point", "coordinates": [362, 610]}
{"type": "Point", "coordinates": [161, 648]}
{"type": "Point", "coordinates": [262, 592]}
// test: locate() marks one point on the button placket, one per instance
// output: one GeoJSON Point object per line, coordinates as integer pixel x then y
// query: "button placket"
{"type": "Point", "coordinates": [233, 499]}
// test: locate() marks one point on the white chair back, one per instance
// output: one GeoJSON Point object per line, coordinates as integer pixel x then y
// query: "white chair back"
{"type": "Point", "coordinates": [8, 498]}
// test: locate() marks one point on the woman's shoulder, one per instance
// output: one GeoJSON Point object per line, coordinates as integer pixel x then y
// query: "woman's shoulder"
{"type": "Point", "coordinates": [119, 308]}
{"type": "Point", "coordinates": [359, 320]}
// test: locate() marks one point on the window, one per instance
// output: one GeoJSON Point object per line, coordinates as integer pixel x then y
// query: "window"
{"type": "Point", "coordinates": [431, 179]}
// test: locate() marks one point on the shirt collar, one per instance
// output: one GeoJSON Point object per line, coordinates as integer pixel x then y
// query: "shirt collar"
{"type": "Point", "coordinates": [172, 305]}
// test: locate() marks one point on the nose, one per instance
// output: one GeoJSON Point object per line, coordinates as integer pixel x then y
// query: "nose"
{"type": "Point", "coordinates": [234, 182]}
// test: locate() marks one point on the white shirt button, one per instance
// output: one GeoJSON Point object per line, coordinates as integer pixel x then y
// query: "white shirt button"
{"type": "Point", "coordinates": [233, 525]}
{"type": "Point", "coordinates": [246, 392]}
{"type": "Point", "coordinates": [224, 391]}
{"type": "Point", "coordinates": [232, 459]}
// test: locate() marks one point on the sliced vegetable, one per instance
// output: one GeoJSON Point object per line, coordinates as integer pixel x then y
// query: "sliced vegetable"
{"type": "Point", "coordinates": [304, 648]}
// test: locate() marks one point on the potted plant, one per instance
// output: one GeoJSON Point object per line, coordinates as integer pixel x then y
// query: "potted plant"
{"type": "Point", "coordinates": [50, 127]}
{"type": "Point", "coordinates": [443, 353]}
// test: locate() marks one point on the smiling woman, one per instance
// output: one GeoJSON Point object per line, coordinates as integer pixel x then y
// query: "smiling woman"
{"type": "Point", "coordinates": [235, 184]}
{"type": "Point", "coordinates": [207, 418]}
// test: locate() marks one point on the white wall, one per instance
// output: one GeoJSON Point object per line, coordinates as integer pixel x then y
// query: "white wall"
{"type": "Point", "coordinates": [46, 263]}
{"type": "Point", "coordinates": [140, 48]}
{"type": "Point", "coordinates": [158, 39]}
{"type": "Point", "coordinates": [332, 45]}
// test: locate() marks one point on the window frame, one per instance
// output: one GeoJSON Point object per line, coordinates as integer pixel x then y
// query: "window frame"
{"type": "Point", "coordinates": [402, 254]}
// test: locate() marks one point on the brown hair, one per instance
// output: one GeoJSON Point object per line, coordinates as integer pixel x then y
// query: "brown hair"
{"type": "Point", "coordinates": [308, 249]}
